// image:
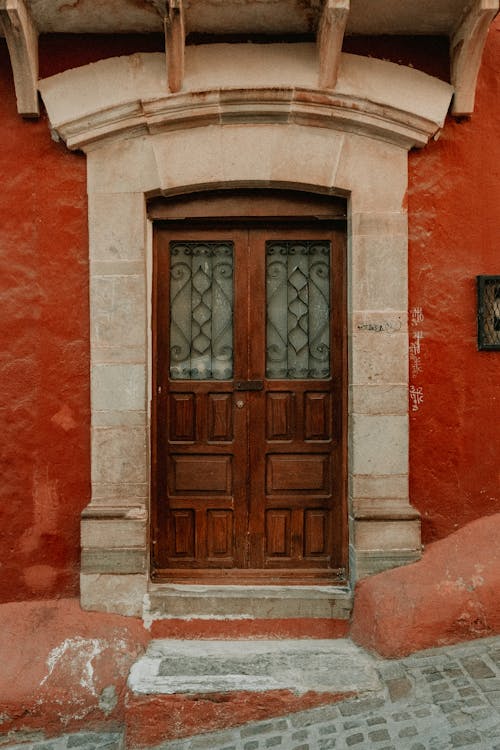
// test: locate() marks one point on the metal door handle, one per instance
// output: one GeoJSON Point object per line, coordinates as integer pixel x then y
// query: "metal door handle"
{"type": "Point", "coordinates": [240, 404]}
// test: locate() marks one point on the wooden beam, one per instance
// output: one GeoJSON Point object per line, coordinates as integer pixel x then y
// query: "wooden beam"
{"type": "Point", "coordinates": [175, 37]}
{"type": "Point", "coordinates": [330, 37]}
{"type": "Point", "coordinates": [22, 41]}
{"type": "Point", "coordinates": [466, 50]}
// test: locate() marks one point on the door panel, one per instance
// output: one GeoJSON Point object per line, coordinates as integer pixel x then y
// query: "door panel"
{"type": "Point", "coordinates": [250, 371]}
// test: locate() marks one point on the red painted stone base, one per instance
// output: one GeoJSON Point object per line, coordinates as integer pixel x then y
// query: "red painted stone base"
{"type": "Point", "coordinates": [450, 595]}
{"type": "Point", "coordinates": [240, 629]}
{"type": "Point", "coordinates": [64, 669]}
{"type": "Point", "coordinates": [151, 720]}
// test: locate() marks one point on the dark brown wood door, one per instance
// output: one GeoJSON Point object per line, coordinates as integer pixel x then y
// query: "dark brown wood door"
{"type": "Point", "coordinates": [249, 439]}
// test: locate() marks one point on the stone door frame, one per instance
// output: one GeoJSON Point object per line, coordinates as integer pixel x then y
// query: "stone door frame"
{"type": "Point", "coordinates": [171, 145]}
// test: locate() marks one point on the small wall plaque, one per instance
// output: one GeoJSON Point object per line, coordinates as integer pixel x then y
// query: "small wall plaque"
{"type": "Point", "coordinates": [488, 312]}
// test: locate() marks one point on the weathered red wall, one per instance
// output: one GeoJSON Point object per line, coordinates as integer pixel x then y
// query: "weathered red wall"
{"type": "Point", "coordinates": [44, 391]}
{"type": "Point", "coordinates": [454, 222]}
{"type": "Point", "coordinates": [44, 337]}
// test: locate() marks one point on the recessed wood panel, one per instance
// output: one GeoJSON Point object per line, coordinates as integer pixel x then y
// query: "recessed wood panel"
{"type": "Point", "coordinates": [279, 416]}
{"type": "Point", "coordinates": [278, 533]}
{"type": "Point", "coordinates": [219, 533]}
{"type": "Point", "coordinates": [315, 532]}
{"type": "Point", "coordinates": [220, 416]}
{"type": "Point", "coordinates": [296, 472]}
{"type": "Point", "coordinates": [195, 474]}
{"type": "Point", "coordinates": [317, 411]}
{"type": "Point", "coordinates": [182, 416]}
{"type": "Point", "coordinates": [182, 535]}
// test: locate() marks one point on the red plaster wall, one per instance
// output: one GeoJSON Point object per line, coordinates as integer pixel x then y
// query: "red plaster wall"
{"type": "Point", "coordinates": [44, 337]}
{"type": "Point", "coordinates": [454, 223]}
{"type": "Point", "coordinates": [44, 391]}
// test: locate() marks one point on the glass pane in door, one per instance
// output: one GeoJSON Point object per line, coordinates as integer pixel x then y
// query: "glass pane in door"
{"type": "Point", "coordinates": [298, 309]}
{"type": "Point", "coordinates": [201, 310]}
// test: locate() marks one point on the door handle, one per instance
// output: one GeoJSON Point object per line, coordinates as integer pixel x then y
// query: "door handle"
{"type": "Point", "coordinates": [249, 385]}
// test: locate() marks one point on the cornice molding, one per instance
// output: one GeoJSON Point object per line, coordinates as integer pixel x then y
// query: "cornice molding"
{"type": "Point", "coordinates": [124, 97]}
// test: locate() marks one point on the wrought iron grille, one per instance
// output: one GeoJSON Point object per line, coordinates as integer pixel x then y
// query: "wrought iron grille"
{"type": "Point", "coordinates": [298, 309]}
{"type": "Point", "coordinates": [201, 310]}
{"type": "Point", "coordinates": [488, 319]}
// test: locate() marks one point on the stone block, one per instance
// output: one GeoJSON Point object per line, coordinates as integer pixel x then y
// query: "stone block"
{"type": "Point", "coordinates": [118, 311]}
{"type": "Point", "coordinates": [188, 666]}
{"type": "Point", "coordinates": [120, 494]}
{"type": "Point", "coordinates": [387, 535]}
{"type": "Point", "coordinates": [126, 166]}
{"type": "Point", "coordinates": [247, 153]}
{"type": "Point", "coordinates": [397, 86]}
{"type": "Point", "coordinates": [256, 602]}
{"type": "Point", "coordinates": [118, 387]}
{"type": "Point", "coordinates": [374, 173]}
{"type": "Point", "coordinates": [306, 156]}
{"type": "Point", "coordinates": [379, 357]}
{"type": "Point", "coordinates": [189, 158]}
{"type": "Point", "coordinates": [389, 486]}
{"type": "Point", "coordinates": [113, 533]}
{"type": "Point", "coordinates": [378, 399]}
{"type": "Point", "coordinates": [119, 455]}
{"type": "Point", "coordinates": [379, 223]}
{"type": "Point", "coordinates": [379, 445]}
{"type": "Point", "coordinates": [122, 594]}
{"type": "Point", "coordinates": [116, 226]}
{"type": "Point", "coordinates": [271, 65]}
{"type": "Point", "coordinates": [119, 418]}
{"type": "Point", "coordinates": [379, 276]}
{"type": "Point", "coordinates": [119, 561]}
{"type": "Point", "coordinates": [103, 84]}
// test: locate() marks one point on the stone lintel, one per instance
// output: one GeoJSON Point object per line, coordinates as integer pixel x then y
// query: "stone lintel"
{"type": "Point", "coordinates": [330, 37]}
{"type": "Point", "coordinates": [466, 50]}
{"type": "Point", "coordinates": [22, 41]}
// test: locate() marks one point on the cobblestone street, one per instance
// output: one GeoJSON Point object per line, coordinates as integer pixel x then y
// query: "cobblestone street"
{"type": "Point", "coordinates": [433, 700]}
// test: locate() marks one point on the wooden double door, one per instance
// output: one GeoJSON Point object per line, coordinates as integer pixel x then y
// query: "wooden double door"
{"type": "Point", "coordinates": [249, 438]}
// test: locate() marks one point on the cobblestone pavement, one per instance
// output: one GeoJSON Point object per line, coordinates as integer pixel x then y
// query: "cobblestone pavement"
{"type": "Point", "coordinates": [439, 699]}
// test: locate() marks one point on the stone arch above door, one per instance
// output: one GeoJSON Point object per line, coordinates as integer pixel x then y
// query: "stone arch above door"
{"type": "Point", "coordinates": [141, 147]}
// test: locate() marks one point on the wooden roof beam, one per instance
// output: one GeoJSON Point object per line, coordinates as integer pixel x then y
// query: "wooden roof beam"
{"type": "Point", "coordinates": [175, 39]}
{"type": "Point", "coordinates": [330, 38]}
{"type": "Point", "coordinates": [466, 49]}
{"type": "Point", "coordinates": [22, 41]}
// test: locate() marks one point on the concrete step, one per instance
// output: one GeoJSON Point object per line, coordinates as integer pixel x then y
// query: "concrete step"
{"type": "Point", "coordinates": [189, 667]}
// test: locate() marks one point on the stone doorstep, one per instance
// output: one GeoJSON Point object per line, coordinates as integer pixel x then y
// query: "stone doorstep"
{"type": "Point", "coordinates": [198, 667]}
{"type": "Point", "coordinates": [164, 601]}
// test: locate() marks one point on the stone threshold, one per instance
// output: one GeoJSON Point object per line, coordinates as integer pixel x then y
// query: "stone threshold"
{"type": "Point", "coordinates": [183, 601]}
{"type": "Point", "coordinates": [198, 667]}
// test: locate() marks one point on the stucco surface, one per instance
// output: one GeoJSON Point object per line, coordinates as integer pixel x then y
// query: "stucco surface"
{"type": "Point", "coordinates": [450, 595]}
{"type": "Point", "coordinates": [44, 401]}
{"type": "Point", "coordinates": [454, 226]}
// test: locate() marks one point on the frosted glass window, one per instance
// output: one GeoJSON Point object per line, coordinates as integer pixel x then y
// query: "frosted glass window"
{"type": "Point", "coordinates": [298, 309]}
{"type": "Point", "coordinates": [201, 310]}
